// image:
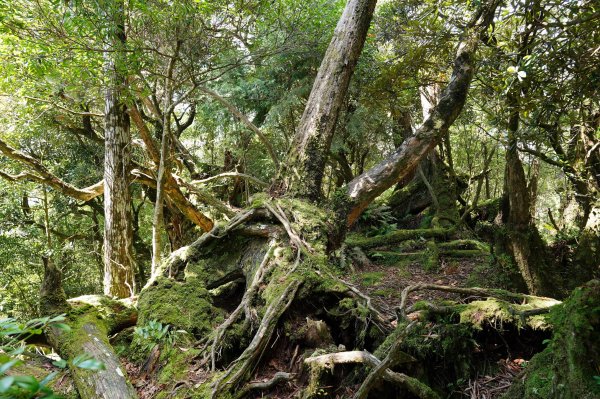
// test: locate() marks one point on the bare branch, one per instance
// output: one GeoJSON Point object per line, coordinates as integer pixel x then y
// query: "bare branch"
{"type": "Point", "coordinates": [252, 179]}
{"type": "Point", "coordinates": [44, 176]}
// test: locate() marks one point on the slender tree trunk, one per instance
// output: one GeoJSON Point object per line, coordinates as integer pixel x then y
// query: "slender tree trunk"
{"type": "Point", "coordinates": [157, 219]}
{"type": "Point", "coordinates": [532, 186]}
{"type": "Point", "coordinates": [303, 173]}
{"type": "Point", "coordinates": [52, 295]}
{"type": "Point", "coordinates": [119, 264]}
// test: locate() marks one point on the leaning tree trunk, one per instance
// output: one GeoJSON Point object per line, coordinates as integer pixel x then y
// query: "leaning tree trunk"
{"type": "Point", "coordinates": [363, 189]}
{"type": "Point", "coordinates": [434, 184]}
{"type": "Point", "coordinates": [119, 264]}
{"type": "Point", "coordinates": [303, 173]}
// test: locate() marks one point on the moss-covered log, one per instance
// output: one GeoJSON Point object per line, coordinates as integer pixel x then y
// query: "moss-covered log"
{"type": "Point", "coordinates": [396, 237]}
{"type": "Point", "coordinates": [89, 336]}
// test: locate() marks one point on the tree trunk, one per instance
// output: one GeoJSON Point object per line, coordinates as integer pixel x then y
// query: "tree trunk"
{"type": "Point", "coordinates": [363, 189]}
{"type": "Point", "coordinates": [157, 217]}
{"type": "Point", "coordinates": [303, 173]}
{"type": "Point", "coordinates": [523, 239]}
{"type": "Point", "coordinates": [119, 264]}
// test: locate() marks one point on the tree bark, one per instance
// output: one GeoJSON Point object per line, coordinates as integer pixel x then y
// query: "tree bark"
{"type": "Point", "coordinates": [119, 264]}
{"type": "Point", "coordinates": [302, 175]}
{"type": "Point", "coordinates": [157, 217]}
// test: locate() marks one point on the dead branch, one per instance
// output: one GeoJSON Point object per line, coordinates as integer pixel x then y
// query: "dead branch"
{"type": "Point", "coordinates": [252, 179]}
{"type": "Point", "coordinates": [44, 176]}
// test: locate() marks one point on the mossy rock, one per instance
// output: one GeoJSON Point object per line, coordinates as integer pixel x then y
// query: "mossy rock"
{"type": "Point", "coordinates": [569, 366]}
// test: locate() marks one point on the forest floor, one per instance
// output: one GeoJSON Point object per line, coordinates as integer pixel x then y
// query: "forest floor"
{"type": "Point", "coordinates": [383, 281]}
{"type": "Point", "coordinates": [384, 284]}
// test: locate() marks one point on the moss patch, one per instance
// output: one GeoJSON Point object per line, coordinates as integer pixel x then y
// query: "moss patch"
{"type": "Point", "coordinates": [496, 313]}
{"type": "Point", "coordinates": [184, 305]}
{"type": "Point", "coordinates": [567, 367]}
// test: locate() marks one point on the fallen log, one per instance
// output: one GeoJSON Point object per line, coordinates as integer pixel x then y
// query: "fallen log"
{"type": "Point", "coordinates": [89, 336]}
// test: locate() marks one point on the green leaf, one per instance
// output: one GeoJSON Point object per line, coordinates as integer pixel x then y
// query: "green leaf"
{"type": "Point", "coordinates": [27, 382]}
{"type": "Point", "coordinates": [6, 366]}
{"type": "Point", "coordinates": [6, 383]}
{"type": "Point", "coordinates": [48, 378]}
{"type": "Point", "coordinates": [87, 362]}
{"type": "Point", "coordinates": [62, 326]}
{"type": "Point", "coordinates": [91, 364]}
{"type": "Point", "coordinates": [61, 363]}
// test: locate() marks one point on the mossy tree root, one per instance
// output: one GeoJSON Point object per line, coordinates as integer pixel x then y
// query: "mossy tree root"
{"type": "Point", "coordinates": [540, 304]}
{"type": "Point", "coordinates": [245, 304]}
{"type": "Point", "coordinates": [240, 369]}
{"type": "Point", "coordinates": [396, 237]}
{"type": "Point", "coordinates": [389, 361]}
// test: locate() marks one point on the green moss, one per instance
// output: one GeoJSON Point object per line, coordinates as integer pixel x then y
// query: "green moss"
{"type": "Point", "coordinates": [431, 257]}
{"type": "Point", "coordinates": [184, 305]}
{"type": "Point", "coordinates": [176, 364]}
{"type": "Point", "coordinates": [395, 237]}
{"type": "Point", "coordinates": [566, 368]}
{"type": "Point", "coordinates": [499, 271]}
{"type": "Point", "coordinates": [496, 313]}
{"type": "Point", "coordinates": [371, 278]}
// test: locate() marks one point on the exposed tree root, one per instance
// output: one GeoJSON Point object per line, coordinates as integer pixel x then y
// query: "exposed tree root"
{"type": "Point", "coordinates": [412, 384]}
{"type": "Point", "coordinates": [278, 378]}
{"type": "Point", "coordinates": [246, 362]}
{"type": "Point", "coordinates": [244, 305]}
{"type": "Point", "coordinates": [389, 361]}
{"type": "Point", "coordinates": [270, 269]}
